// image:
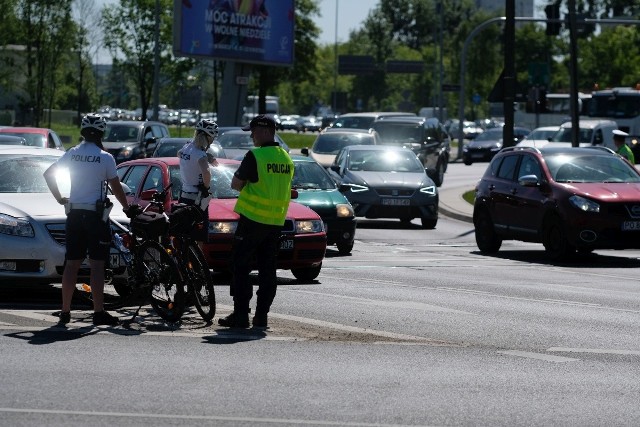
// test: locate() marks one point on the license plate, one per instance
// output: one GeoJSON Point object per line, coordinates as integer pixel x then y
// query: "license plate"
{"type": "Point", "coordinates": [286, 244]}
{"type": "Point", "coordinates": [396, 202]}
{"type": "Point", "coordinates": [477, 155]}
{"type": "Point", "coordinates": [631, 226]}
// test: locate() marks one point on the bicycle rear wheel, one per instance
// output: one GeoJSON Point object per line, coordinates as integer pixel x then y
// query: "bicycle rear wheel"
{"type": "Point", "coordinates": [162, 277]}
{"type": "Point", "coordinates": [199, 282]}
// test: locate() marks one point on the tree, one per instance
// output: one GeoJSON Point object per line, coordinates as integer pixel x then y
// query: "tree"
{"type": "Point", "coordinates": [129, 29]}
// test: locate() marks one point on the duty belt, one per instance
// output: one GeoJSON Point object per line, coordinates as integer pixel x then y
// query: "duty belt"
{"type": "Point", "coordinates": [83, 206]}
{"type": "Point", "coordinates": [188, 195]}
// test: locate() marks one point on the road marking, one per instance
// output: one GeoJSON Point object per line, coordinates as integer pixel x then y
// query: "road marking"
{"type": "Point", "coordinates": [6, 324]}
{"type": "Point", "coordinates": [395, 304]}
{"type": "Point", "coordinates": [277, 421]}
{"type": "Point", "coordinates": [595, 350]}
{"type": "Point", "coordinates": [539, 356]}
{"type": "Point", "coordinates": [560, 301]}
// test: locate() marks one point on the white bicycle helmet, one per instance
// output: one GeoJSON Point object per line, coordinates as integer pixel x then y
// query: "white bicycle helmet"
{"type": "Point", "coordinates": [209, 127]}
{"type": "Point", "coordinates": [94, 121]}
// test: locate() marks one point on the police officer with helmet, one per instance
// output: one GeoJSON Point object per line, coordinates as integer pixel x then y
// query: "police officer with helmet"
{"type": "Point", "coordinates": [264, 181]}
{"type": "Point", "coordinates": [87, 225]}
{"type": "Point", "coordinates": [195, 173]}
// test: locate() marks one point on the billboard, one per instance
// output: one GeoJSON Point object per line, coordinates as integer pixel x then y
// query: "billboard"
{"type": "Point", "coordinates": [253, 31]}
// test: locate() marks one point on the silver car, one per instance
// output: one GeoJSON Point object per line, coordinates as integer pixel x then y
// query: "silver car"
{"type": "Point", "coordinates": [32, 223]}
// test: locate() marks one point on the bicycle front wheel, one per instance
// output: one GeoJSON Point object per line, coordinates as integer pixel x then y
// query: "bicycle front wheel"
{"type": "Point", "coordinates": [161, 274]}
{"type": "Point", "coordinates": [200, 282]}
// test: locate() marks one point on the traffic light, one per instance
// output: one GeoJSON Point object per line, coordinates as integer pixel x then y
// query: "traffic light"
{"type": "Point", "coordinates": [553, 12]}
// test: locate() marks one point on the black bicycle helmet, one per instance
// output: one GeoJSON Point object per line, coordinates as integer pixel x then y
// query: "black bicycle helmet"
{"type": "Point", "coordinates": [94, 121]}
{"type": "Point", "coordinates": [209, 127]}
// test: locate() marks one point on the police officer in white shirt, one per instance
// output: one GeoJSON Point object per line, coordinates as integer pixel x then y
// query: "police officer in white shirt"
{"type": "Point", "coordinates": [195, 174]}
{"type": "Point", "coordinates": [87, 229]}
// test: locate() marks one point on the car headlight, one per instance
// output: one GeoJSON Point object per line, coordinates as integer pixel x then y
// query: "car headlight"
{"type": "Point", "coordinates": [344, 211]}
{"type": "Point", "coordinates": [430, 190]}
{"type": "Point", "coordinates": [584, 205]}
{"type": "Point", "coordinates": [223, 227]}
{"type": "Point", "coordinates": [15, 227]}
{"type": "Point", "coordinates": [309, 226]}
{"type": "Point", "coordinates": [125, 153]}
{"type": "Point", "coordinates": [358, 188]}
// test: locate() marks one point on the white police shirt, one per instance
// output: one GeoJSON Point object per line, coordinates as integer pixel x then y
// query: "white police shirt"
{"type": "Point", "coordinates": [190, 173]}
{"type": "Point", "coordinates": [89, 167]}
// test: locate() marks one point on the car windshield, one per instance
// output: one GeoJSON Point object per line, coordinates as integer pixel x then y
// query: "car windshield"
{"type": "Point", "coordinates": [332, 143]}
{"type": "Point", "coordinates": [393, 132]}
{"type": "Point", "coordinates": [564, 135]}
{"type": "Point", "coordinates": [23, 173]}
{"type": "Point", "coordinates": [384, 161]}
{"type": "Point", "coordinates": [540, 134]}
{"type": "Point", "coordinates": [490, 135]}
{"type": "Point", "coordinates": [221, 177]}
{"type": "Point", "coordinates": [33, 139]}
{"type": "Point", "coordinates": [236, 140]}
{"type": "Point", "coordinates": [168, 149]}
{"type": "Point", "coordinates": [585, 168]}
{"type": "Point", "coordinates": [120, 133]}
{"type": "Point", "coordinates": [311, 176]}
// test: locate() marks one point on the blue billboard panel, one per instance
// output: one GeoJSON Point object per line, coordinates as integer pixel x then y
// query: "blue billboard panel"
{"type": "Point", "coordinates": [253, 31]}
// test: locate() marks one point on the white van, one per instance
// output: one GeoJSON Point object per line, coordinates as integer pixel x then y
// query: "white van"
{"type": "Point", "coordinates": [592, 132]}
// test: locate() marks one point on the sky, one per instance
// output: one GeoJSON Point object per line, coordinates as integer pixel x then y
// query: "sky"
{"type": "Point", "coordinates": [351, 13]}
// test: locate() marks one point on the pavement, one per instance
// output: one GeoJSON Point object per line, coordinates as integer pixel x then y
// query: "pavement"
{"type": "Point", "coordinates": [452, 204]}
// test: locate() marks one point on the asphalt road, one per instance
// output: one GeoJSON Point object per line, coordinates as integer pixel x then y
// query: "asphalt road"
{"type": "Point", "coordinates": [414, 328]}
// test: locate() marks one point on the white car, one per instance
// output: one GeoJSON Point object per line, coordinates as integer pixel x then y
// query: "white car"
{"type": "Point", "coordinates": [32, 223]}
{"type": "Point", "coordinates": [538, 137]}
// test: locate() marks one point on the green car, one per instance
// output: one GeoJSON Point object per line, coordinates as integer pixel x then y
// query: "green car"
{"type": "Point", "coordinates": [317, 190]}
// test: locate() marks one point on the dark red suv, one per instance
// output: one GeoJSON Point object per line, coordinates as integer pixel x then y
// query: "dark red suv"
{"type": "Point", "coordinates": [569, 199]}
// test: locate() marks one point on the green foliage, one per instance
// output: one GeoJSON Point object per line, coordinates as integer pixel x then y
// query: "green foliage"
{"type": "Point", "coordinates": [298, 140]}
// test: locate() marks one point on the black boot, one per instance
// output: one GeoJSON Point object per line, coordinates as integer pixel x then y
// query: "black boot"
{"type": "Point", "coordinates": [235, 320]}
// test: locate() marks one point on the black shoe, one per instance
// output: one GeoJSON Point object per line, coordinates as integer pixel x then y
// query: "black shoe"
{"type": "Point", "coordinates": [234, 321]}
{"type": "Point", "coordinates": [104, 318]}
{"type": "Point", "coordinates": [260, 321]}
{"type": "Point", "coordinates": [64, 317]}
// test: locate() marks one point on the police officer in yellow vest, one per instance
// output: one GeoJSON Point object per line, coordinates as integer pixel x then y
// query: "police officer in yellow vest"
{"type": "Point", "coordinates": [264, 181]}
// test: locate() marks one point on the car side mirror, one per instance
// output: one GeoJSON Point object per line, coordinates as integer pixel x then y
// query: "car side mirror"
{"type": "Point", "coordinates": [335, 168]}
{"type": "Point", "coordinates": [343, 188]}
{"type": "Point", "coordinates": [294, 194]}
{"type": "Point", "coordinates": [304, 151]}
{"type": "Point", "coordinates": [529, 181]}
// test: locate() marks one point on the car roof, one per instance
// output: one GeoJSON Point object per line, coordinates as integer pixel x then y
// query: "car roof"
{"type": "Point", "coordinates": [134, 122]}
{"type": "Point", "coordinates": [590, 123]}
{"type": "Point", "coordinates": [169, 161]}
{"type": "Point", "coordinates": [25, 129]}
{"type": "Point", "coordinates": [21, 149]}
{"type": "Point", "coordinates": [347, 131]}
{"type": "Point", "coordinates": [375, 147]}
{"type": "Point", "coordinates": [407, 119]}
{"type": "Point", "coordinates": [299, 158]}
{"type": "Point", "coordinates": [376, 113]}
{"type": "Point", "coordinates": [557, 150]}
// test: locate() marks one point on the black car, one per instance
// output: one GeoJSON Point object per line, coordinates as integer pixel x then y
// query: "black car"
{"type": "Point", "coordinates": [487, 144]}
{"type": "Point", "coordinates": [386, 182]}
{"type": "Point", "coordinates": [426, 137]}
{"type": "Point", "coordinates": [128, 140]}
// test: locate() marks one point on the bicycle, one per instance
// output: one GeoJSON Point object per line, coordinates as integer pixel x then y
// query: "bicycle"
{"type": "Point", "coordinates": [141, 269]}
{"type": "Point", "coordinates": [190, 259]}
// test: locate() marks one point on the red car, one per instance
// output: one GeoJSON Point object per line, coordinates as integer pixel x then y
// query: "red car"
{"type": "Point", "coordinates": [36, 137]}
{"type": "Point", "coordinates": [303, 242]}
{"type": "Point", "coordinates": [570, 199]}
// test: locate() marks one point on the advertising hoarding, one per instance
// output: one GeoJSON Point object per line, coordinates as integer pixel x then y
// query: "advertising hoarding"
{"type": "Point", "coordinates": [252, 31]}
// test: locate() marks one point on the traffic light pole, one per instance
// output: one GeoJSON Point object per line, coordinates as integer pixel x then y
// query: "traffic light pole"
{"type": "Point", "coordinates": [476, 30]}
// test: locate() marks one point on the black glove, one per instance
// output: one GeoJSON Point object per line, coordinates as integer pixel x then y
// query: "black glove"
{"type": "Point", "coordinates": [204, 191]}
{"type": "Point", "coordinates": [133, 211]}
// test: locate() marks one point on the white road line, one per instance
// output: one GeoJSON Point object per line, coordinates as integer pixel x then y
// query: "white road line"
{"type": "Point", "coordinates": [396, 304]}
{"type": "Point", "coordinates": [6, 324]}
{"type": "Point", "coordinates": [539, 356]}
{"type": "Point", "coordinates": [595, 350]}
{"type": "Point", "coordinates": [277, 421]}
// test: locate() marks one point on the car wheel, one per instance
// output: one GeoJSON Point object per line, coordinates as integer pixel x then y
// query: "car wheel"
{"type": "Point", "coordinates": [486, 237]}
{"type": "Point", "coordinates": [555, 240]}
{"type": "Point", "coordinates": [438, 176]}
{"type": "Point", "coordinates": [345, 248]}
{"type": "Point", "coordinates": [306, 274]}
{"type": "Point", "coordinates": [467, 162]}
{"type": "Point", "coordinates": [429, 223]}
